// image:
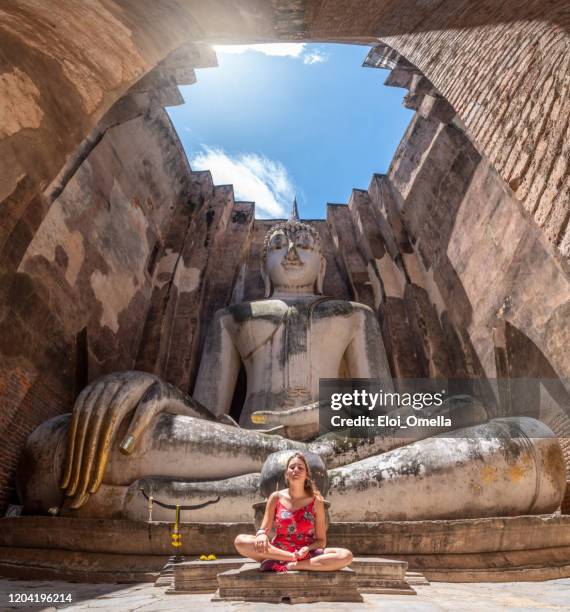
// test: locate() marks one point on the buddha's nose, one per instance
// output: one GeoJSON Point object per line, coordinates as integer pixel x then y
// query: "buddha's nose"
{"type": "Point", "coordinates": [292, 252]}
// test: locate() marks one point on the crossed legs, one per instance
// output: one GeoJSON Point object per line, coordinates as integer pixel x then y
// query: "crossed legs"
{"type": "Point", "coordinates": [245, 545]}
{"type": "Point", "coordinates": [332, 558]}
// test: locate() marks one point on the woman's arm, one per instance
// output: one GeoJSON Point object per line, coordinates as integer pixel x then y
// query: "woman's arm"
{"type": "Point", "coordinates": [262, 537]}
{"type": "Point", "coordinates": [267, 523]}
{"type": "Point", "coordinates": [320, 526]}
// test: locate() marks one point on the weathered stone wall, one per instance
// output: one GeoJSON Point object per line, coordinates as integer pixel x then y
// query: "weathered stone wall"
{"type": "Point", "coordinates": [200, 263]}
{"type": "Point", "coordinates": [482, 257]}
{"type": "Point", "coordinates": [75, 306]}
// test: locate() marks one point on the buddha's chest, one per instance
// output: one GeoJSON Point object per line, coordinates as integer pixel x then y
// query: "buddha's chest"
{"type": "Point", "coordinates": [294, 336]}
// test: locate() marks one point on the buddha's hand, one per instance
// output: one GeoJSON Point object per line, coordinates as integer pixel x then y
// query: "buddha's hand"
{"type": "Point", "coordinates": [297, 423]}
{"type": "Point", "coordinates": [97, 415]}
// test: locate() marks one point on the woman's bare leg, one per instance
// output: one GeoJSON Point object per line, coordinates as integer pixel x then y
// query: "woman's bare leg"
{"type": "Point", "coordinates": [245, 545]}
{"type": "Point", "coordinates": [331, 560]}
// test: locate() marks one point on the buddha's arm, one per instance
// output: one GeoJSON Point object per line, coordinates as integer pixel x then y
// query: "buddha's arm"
{"type": "Point", "coordinates": [365, 354]}
{"type": "Point", "coordinates": [219, 367]}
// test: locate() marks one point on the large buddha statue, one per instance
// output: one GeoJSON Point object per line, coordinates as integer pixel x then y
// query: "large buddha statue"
{"type": "Point", "coordinates": [131, 431]}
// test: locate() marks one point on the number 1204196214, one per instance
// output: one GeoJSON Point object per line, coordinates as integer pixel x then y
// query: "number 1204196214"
{"type": "Point", "coordinates": [39, 598]}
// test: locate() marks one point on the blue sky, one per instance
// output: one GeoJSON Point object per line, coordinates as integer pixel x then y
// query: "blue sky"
{"type": "Point", "coordinates": [291, 119]}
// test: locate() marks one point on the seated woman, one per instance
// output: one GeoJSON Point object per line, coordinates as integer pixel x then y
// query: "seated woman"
{"type": "Point", "coordinates": [299, 516]}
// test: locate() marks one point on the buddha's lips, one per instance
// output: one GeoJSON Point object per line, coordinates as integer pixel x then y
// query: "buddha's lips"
{"type": "Point", "coordinates": [292, 264]}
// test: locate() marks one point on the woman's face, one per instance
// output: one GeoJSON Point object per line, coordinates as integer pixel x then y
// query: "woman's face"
{"type": "Point", "coordinates": [296, 470]}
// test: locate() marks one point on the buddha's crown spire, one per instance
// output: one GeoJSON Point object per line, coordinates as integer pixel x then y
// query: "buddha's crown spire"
{"type": "Point", "coordinates": [294, 214]}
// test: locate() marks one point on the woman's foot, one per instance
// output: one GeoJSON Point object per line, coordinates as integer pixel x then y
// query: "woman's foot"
{"type": "Point", "coordinates": [270, 565]}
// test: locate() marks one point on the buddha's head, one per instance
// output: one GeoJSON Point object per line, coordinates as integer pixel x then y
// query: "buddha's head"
{"type": "Point", "coordinates": [293, 260]}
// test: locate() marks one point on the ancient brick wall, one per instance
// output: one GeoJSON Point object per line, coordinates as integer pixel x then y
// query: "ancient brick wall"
{"type": "Point", "coordinates": [482, 257]}
{"type": "Point", "coordinates": [509, 82]}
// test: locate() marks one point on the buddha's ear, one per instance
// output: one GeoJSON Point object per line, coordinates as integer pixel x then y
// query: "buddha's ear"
{"type": "Point", "coordinates": [266, 281]}
{"type": "Point", "coordinates": [321, 276]}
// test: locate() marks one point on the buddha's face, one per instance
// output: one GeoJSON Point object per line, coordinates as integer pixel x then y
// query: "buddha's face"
{"type": "Point", "coordinates": [293, 260]}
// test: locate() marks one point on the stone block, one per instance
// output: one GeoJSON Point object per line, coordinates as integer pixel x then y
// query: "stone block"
{"type": "Point", "coordinates": [249, 584]}
{"type": "Point", "coordinates": [202, 576]}
{"type": "Point", "coordinates": [379, 568]}
{"type": "Point", "coordinates": [379, 575]}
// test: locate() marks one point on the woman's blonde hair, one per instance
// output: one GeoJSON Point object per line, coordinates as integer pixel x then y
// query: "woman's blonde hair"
{"type": "Point", "coordinates": [310, 486]}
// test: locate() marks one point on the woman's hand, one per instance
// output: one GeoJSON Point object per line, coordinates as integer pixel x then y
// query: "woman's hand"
{"type": "Point", "coordinates": [302, 552]}
{"type": "Point", "coordinates": [261, 543]}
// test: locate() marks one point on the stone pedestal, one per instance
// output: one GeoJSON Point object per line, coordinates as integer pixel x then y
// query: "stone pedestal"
{"type": "Point", "coordinates": [166, 577]}
{"type": "Point", "coordinates": [378, 575]}
{"type": "Point", "coordinates": [202, 576]}
{"type": "Point", "coordinates": [247, 583]}
{"type": "Point", "coordinates": [373, 575]}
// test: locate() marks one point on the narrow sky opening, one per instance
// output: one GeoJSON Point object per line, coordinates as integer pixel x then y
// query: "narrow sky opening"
{"type": "Point", "coordinates": [280, 120]}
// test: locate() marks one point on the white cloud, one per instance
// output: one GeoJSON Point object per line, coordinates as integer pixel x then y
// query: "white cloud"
{"type": "Point", "coordinates": [314, 57]}
{"type": "Point", "coordinates": [255, 179]}
{"type": "Point", "coordinates": [294, 50]}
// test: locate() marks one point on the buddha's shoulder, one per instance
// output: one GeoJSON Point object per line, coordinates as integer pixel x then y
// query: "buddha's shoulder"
{"type": "Point", "coordinates": [333, 307]}
{"type": "Point", "coordinates": [271, 310]}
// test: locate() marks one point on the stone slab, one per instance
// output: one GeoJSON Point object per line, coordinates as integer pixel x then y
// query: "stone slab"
{"type": "Point", "coordinates": [247, 583]}
{"type": "Point", "coordinates": [388, 589]}
{"type": "Point", "coordinates": [374, 574]}
{"type": "Point", "coordinates": [202, 576]}
{"type": "Point", "coordinates": [379, 568]}
{"type": "Point", "coordinates": [416, 578]}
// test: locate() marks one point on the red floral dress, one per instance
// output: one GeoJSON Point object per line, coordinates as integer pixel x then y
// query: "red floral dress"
{"type": "Point", "coordinates": [295, 528]}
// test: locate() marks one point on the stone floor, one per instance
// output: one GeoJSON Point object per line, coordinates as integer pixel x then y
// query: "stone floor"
{"type": "Point", "coordinates": [550, 595]}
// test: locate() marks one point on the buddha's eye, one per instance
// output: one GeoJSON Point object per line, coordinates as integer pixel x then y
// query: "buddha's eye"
{"type": "Point", "coordinates": [305, 241]}
{"type": "Point", "coordinates": [278, 242]}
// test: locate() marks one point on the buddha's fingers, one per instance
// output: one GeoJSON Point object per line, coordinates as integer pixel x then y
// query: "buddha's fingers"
{"type": "Point", "coordinates": [147, 408]}
{"type": "Point", "coordinates": [72, 432]}
{"type": "Point", "coordinates": [102, 405]}
{"type": "Point", "coordinates": [175, 402]}
{"type": "Point", "coordinates": [295, 417]}
{"type": "Point", "coordinates": [161, 397]}
{"type": "Point", "coordinates": [128, 396]}
{"type": "Point", "coordinates": [83, 416]}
